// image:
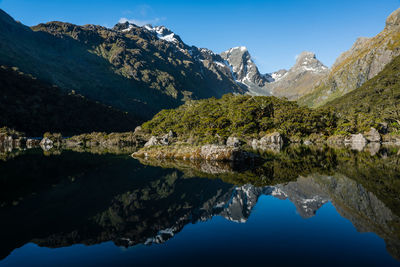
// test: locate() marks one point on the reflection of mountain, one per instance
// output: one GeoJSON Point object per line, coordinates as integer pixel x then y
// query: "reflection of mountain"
{"type": "Point", "coordinates": [105, 198]}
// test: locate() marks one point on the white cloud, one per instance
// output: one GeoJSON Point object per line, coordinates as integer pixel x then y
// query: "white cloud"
{"type": "Point", "coordinates": [140, 22]}
{"type": "Point", "coordinates": [143, 14]}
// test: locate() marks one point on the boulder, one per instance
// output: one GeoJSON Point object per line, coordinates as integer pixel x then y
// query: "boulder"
{"type": "Point", "coordinates": [158, 141]}
{"type": "Point", "coordinates": [233, 142]}
{"type": "Point", "coordinates": [272, 141]}
{"type": "Point", "coordinates": [356, 141]}
{"type": "Point", "coordinates": [153, 141]}
{"type": "Point", "coordinates": [356, 138]}
{"type": "Point", "coordinates": [373, 135]}
{"type": "Point", "coordinates": [138, 130]}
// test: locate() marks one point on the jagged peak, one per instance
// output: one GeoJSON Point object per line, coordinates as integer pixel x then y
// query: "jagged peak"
{"type": "Point", "coordinates": [240, 49]}
{"type": "Point", "coordinates": [393, 20]}
{"type": "Point", "coordinates": [305, 56]}
{"type": "Point", "coordinates": [308, 61]}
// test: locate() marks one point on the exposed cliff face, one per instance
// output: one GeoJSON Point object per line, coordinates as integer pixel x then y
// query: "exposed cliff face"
{"type": "Point", "coordinates": [363, 61]}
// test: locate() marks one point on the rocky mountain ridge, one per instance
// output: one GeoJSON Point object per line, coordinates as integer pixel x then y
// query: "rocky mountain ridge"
{"type": "Point", "coordinates": [292, 83]}
{"type": "Point", "coordinates": [136, 69]}
{"type": "Point", "coordinates": [365, 59]}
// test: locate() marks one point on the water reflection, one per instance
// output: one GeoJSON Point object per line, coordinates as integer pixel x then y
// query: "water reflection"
{"type": "Point", "coordinates": [60, 199]}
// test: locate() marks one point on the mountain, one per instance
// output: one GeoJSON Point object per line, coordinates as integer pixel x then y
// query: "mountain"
{"type": "Point", "coordinates": [300, 79]}
{"type": "Point", "coordinates": [32, 106]}
{"type": "Point", "coordinates": [292, 84]}
{"type": "Point", "coordinates": [362, 62]}
{"type": "Point", "coordinates": [245, 71]}
{"type": "Point", "coordinates": [136, 69]}
{"type": "Point", "coordinates": [377, 101]}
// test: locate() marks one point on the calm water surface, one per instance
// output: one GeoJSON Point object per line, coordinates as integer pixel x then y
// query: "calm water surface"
{"type": "Point", "coordinates": [303, 206]}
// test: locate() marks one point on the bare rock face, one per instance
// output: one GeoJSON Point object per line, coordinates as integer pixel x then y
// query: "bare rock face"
{"type": "Point", "coordinates": [373, 135]}
{"type": "Point", "coordinates": [273, 141]}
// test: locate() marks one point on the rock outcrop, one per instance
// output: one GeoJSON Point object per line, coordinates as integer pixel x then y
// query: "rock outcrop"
{"type": "Point", "coordinates": [273, 141]}
{"type": "Point", "coordinates": [373, 136]}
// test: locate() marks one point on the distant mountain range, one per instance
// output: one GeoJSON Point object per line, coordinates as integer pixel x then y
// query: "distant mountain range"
{"type": "Point", "coordinates": [141, 70]}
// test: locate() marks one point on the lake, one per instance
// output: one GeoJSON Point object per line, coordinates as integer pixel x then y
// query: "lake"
{"type": "Point", "coordinates": [302, 206]}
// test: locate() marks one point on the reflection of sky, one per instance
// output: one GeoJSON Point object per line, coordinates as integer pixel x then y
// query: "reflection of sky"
{"type": "Point", "coordinates": [274, 234]}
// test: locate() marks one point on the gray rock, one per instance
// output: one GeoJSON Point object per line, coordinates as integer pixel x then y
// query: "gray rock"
{"type": "Point", "coordinates": [271, 141]}
{"type": "Point", "coordinates": [233, 142]}
{"type": "Point", "coordinates": [356, 141]}
{"type": "Point", "coordinates": [137, 130]}
{"type": "Point", "coordinates": [158, 141]}
{"type": "Point", "coordinates": [153, 141]}
{"type": "Point", "coordinates": [373, 135]}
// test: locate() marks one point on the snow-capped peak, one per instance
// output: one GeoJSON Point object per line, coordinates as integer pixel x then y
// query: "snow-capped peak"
{"type": "Point", "coordinates": [241, 48]}
{"type": "Point", "coordinates": [307, 61]}
{"type": "Point", "coordinates": [163, 33]}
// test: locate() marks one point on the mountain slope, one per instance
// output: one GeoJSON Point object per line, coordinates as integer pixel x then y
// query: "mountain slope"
{"type": "Point", "coordinates": [245, 71]}
{"type": "Point", "coordinates": [300, 79]}
{"type": "Point", "coordinates": [34, 107]}
{"type": "Point", "coordinates": [376, 101]}
{"type": "Point", "coordinates": [362, 62]}
{"type": "Point", "coordinates": [292, 84]}
{"type": "Point", "coordinates": [136, 69]}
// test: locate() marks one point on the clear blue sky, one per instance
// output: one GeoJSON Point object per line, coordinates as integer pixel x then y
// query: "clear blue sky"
{"type": "Point", "coordinates": [274, 31]}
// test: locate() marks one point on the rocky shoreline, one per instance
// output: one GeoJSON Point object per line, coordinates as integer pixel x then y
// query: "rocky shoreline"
{"type": "Point", "coordinates": [233, 149]}
{"type": "Point", "coordinates": [170, 146]}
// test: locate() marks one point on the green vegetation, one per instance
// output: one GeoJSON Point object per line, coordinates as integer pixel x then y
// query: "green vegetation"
{"type": "Point", "coordinates": [374, 104]}
{"type": "Point", "coordinates": [134, 72]}
{"type": "Point", "coordinates": [244, 116]}
{"type": "Point", "coordinates": [34, 107]}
